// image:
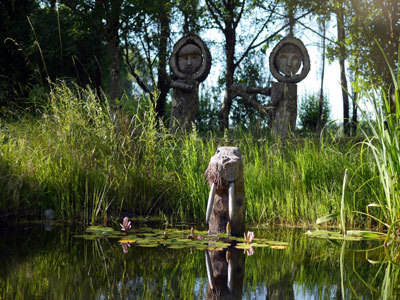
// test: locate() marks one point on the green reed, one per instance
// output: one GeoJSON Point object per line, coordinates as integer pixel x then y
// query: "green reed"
{"type": "Point", "coordinates": [384, 145]}
{"type": "Point", "coordinates": [87, 161]}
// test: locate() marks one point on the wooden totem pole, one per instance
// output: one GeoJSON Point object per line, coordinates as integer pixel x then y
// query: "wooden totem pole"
{"type": "Point", "coordinates": [285, 61]}
{"type": "Point", "coordinates": [190, 62]}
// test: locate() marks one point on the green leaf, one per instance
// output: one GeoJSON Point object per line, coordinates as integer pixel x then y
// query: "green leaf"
{"type": "Point", "coordinates": [176, 246]}
{"type": "Point", "coordinates": [327, 218]}
{"type": "Point", "coordinates": [99, 228]}
{"type": "Point", "coordinates": [243, 246]}
{"type": "Point", "coordinates": [371, 235]}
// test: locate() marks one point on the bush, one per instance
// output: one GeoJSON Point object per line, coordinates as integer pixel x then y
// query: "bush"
{"type": "Point", "coordinates": [308, 113]}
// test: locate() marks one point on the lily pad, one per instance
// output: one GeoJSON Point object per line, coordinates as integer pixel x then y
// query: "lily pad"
{"type": "Point", "coordinates": [243, 246]}
{"type": "Point", "coordinates": [99, 229]}
{"type": "Point", "coordinates": [276, 243]}
{"type": "Point", "coordinates": [278, 247]}
{"type": "Point", "coordinates": [127, 241]}
{"type": "Point", "coordinates": [176, 246]}
{"type": "Point", "coordinates": [150, 245]}
{"type": "Point", "coordinates": [170, 238]}
{"type": "Point", "coordinates": [332, 235]}
{"type": "Point", "coordinates": [259, 245]}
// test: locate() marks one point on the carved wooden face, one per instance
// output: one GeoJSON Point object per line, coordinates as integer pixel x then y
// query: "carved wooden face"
{"type": "Point", "coordinates": [189, 59]}
{"type": "Point", "coordinates": [289, 60]}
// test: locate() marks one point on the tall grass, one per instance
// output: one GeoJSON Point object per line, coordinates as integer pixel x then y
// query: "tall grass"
{"type": "Point", "coordinates": [88, 163]}
{"type": "Point", "coordinates": [384, 144]}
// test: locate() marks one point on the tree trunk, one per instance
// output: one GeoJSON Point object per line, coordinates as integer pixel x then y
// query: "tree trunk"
{"type": "Point", "coordinates": [162, 83]}
{"type": "Point", "coordinates": [230, 36]}
{"type": "Point", "coordinates": [113, 41]}
{"type": "Point", "coordinates": [354, 119]}
{"type": "Point", "coordinates": [342, 55]}
{"type": "Point", "coordinates": [321, 94]}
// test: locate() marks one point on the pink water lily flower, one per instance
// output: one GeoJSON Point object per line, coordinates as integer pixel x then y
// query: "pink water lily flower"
{"type": "Point", "coordinates": [249, 237]}
{"type": "Point", "coordinates": [250, 251]}
{"type": "Point", "coordinates": [126, 224]}
{"type": "Point", "coordinates": [125, 247]}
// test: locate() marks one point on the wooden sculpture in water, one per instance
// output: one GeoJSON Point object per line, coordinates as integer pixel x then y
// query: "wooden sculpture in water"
{"type": "Point", "coordinates": [226, 201]}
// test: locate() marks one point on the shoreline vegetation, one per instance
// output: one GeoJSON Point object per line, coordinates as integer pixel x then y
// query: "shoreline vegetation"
{"type": "Point", "coordinates": [88, 164]}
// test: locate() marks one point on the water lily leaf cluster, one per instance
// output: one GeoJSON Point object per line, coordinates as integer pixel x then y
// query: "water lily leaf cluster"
{"type": "Point", "coordinates": [176, 238]}
{"type": "Point", "coordinates": [351, 235]}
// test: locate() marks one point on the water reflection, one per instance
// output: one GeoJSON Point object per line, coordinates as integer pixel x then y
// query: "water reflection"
{"type": "Point", "coordinates": [225, 272]}
{"type": "Point", "coordinates": [40, 264]}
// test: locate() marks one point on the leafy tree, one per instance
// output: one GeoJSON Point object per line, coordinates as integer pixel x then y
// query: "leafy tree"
{"type": "Point", "coordinates": [16, 68]}
{"type": "Point", "coordinates": [309, 113]}
{"type": "Point", "coordinates": [261, 17]}
{"type": "Point", "coordinates": [106, 18]}
{"type": "Point", "coordinates": [251, 73]}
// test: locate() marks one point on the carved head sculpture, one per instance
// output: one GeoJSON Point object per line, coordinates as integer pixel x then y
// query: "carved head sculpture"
{"type": "Point", "coordinates": [289, 60]}
{"type": "Point", "coordinates": [190, 58]}
{"type": "Point", "coordinates": [286, 59]}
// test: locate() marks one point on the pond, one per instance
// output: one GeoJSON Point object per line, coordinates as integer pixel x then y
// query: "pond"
{"type": "Point", "coordinates": [50, 262]}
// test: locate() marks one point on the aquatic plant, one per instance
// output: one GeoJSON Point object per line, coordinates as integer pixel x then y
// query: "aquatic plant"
{"type": "Point", "coordinates": [126, 224]}
{"type": "Point", "coordinates": [249, 237]}
{"type": "Point", "coordinates": [125, 247]}
{"type": "Point", "coordinates": [250, 251]}
{"type": "Point", "coordinates": [384, 145]}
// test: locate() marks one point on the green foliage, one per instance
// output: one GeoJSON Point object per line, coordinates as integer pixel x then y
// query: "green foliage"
{"type": "Point", "coordinates": [78, 161]}
{"type": "Point", "coordinates": [250, 74]}
{"type": "Point", "coordinates": [308, 113]}
{"type": "Point", "coordinates": [384, 145]}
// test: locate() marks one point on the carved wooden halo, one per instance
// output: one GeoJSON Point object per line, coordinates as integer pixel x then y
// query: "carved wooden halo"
{"type": "Point", "coordinates": [205, 67]}
{"type": "Point", "coordinates": [289, 41]}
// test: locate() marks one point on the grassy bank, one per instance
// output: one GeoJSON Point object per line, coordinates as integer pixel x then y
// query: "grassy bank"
{"type": "Point", "coordinates": [76, 160]}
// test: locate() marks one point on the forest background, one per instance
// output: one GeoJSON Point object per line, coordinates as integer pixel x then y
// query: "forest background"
{"type": "Point", "coordinates": [56, 54]}
{"type": "Point", "coordinates": [120, 47]}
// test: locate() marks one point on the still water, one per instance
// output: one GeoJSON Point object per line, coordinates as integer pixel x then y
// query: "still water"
{"type": "Point", "coordinates": [49, 262]}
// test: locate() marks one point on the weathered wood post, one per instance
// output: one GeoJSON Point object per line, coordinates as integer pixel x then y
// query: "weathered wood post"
{"type": "Point", "coordinates": [285, 61]}
{"type": "Point", "coordinates": [190, 63]}
{"type": "Point", "coordinates": [226, 201]}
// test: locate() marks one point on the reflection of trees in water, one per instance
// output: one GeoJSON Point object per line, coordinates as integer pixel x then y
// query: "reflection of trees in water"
{"type": "Point", "coordinates": [309, 267]}
{"type": "Point", "coordinates": [50, 264]}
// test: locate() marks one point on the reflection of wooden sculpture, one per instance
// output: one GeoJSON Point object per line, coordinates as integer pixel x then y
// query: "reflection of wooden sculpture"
{"type": "Point", "coordinates": [225, 273]}
{"type": "Point", "coordinates": [190, 63]}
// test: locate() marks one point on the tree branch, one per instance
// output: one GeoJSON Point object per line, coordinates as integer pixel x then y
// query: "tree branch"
{"type": "Point", "coordinates": [253, 46]}
{"type": "Point", "coordinates": [245, 91]}
{"type": "Point", "coordinates": [211, 7]}
{"type": "Point", "coordinates": [134, 74]}
{"type": "Point", "coordinates": [257, 35]}
{"type": "Point", "coordinates": [236, 23]}
{"type": "Point", "coordinates": [316, 32]}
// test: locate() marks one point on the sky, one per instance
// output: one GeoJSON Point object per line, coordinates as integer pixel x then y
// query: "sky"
{"type": "Point", "coordinates": [311, 84]}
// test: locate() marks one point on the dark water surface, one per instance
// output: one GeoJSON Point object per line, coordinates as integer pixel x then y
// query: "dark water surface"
{"type": "Point", "coordinates": [39, 262]}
